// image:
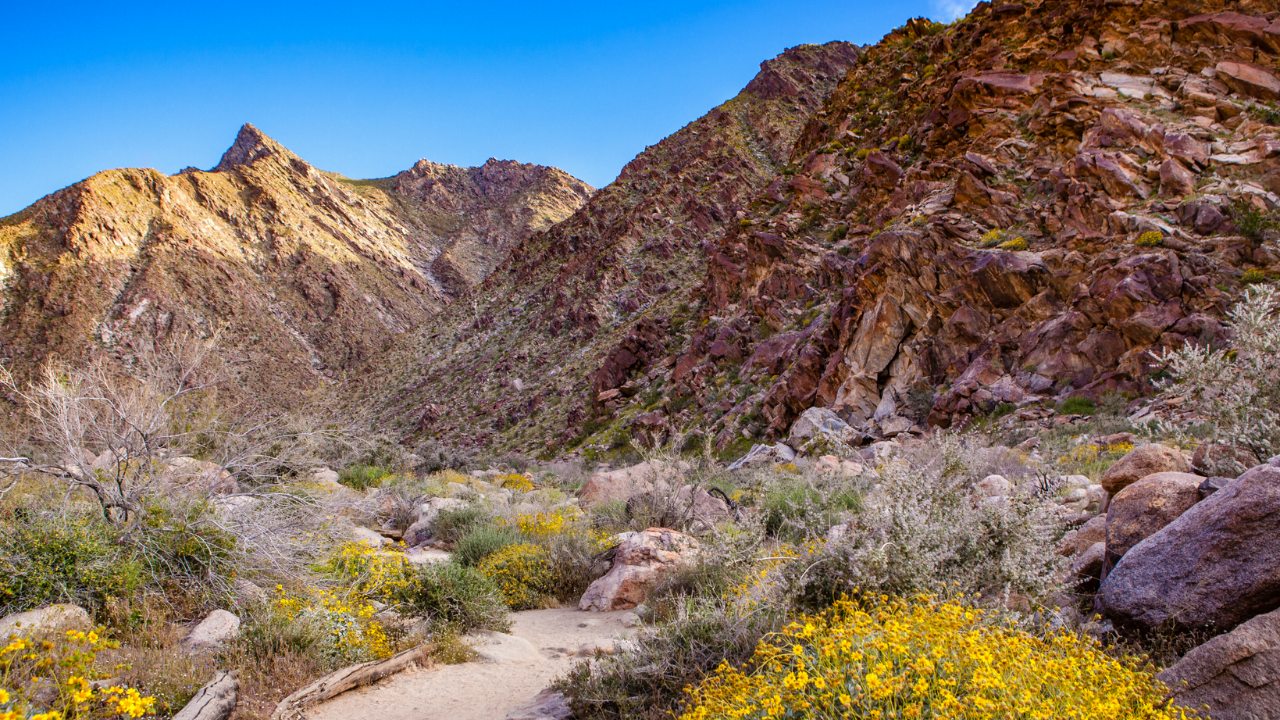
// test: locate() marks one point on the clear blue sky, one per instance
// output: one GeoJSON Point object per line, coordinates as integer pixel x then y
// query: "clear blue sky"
{"type": "Point", "coordinates": [366, 89]}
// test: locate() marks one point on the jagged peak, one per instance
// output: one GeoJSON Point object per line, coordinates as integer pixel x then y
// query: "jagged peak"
{"type": "Point", "coordinates": [250, 146]}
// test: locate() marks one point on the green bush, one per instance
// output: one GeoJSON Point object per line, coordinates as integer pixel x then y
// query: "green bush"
{"type": "Point", "coordinates": [800, 510]}
{"type": "Point", "coordinates": [452, 524]}
{"type": "Point", "coordinates": [1077, 406]}
{"type": "Point", "coordinates": [360, 477]}
{"type": "Point", "coordinates": [47, 559]}
{"type": "Point", "coordinates": [481, 542]}
{"type": "Point", "coordinates": [450, 594]}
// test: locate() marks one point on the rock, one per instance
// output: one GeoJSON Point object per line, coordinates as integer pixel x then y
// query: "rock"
{"type": "Point", "coordinates": [994, 486]}
{"type": "Point", "coordinates": [52, 618]}
{"type": "Point", "coordinates": [1217, 565]}
{"type": "Point", "coordinates": [1249, 79]}
{"type": "Point", "coordinates": [1212, 485]}
{"type": "Point", "coordinates": [1087, 567]}
{"type": "Point", "coordinates": [324, 476]}
{"type": "Point", "coordinates": [765, 455]}
{"type": "Point", "coordinates": [894, 426]}
{"type": "Point", "coordinates": [638, 563]}
{"type": "Point", "coordinates": [1082, 538]}
{"type": "Point", "coordinates": [1140, 510]}
{"type": "Point", "coordinates": [1175, 179]}
{"type": "Point", "coordinates": [1096, 499]}
{"type": "Point", "coordinates": [218, 627]}
{"type": "Point", "coordinates": [215, 701]}
{"type": "Point", "coordinates": [188, 473]}
{"type": "Point", "coordinates": [833, 464]}
{"type": "Point", "coordinates": [1236, 675]}
{"type": "Point", "coordinates": [546, 705]}
{"type": "Point", "coordinates": [1076, 500]}
{"type": "Point", "coordinates": [622, 485]}
{"type": "Point", "coordinates": [369, 537]}
{"type": "Point", "coordinates": [420, 530]}
{"type": "Point", "coordinates": [820, 425]}
{"type": "Point", "coordinates": [1142, 461]}
{"type": "Point", "coordinates": [248, 593]}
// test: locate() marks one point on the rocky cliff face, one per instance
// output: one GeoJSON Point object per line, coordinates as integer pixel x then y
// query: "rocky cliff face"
{"type": "Point", "coordinates": [308, 272]}
{"type": "Point", "coordinates": [506, 366]}
{"type": "Point", "coordinates": [1028, 204]}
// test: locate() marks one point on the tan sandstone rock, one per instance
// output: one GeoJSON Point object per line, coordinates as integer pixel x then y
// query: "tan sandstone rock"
{"type": "Point", "coordinates": [1140, 510]}
{"type": "Point", "coordinates": [1142, 461]}
{"type": "Point", "coordinates": [639, 562]}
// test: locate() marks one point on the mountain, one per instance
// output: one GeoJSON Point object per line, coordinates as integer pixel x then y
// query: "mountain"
{"type": "Point", "coordinates": [305, 272]}
{"type": "Point", "coordinates": [506, 366]}
{"type": "Point", "coordinates": [1022, 207]}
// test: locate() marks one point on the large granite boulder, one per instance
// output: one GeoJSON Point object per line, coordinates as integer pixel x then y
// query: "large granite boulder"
{"type": "Point", "coordinates": [1142, 509]}
{"type": "Point", "coordinates": [217, 628]}
{"type": "Point", "coordinates": [1216, 566]}
{"type": "Point", "coordinates": [46, 619]}
{"type": "Point", "coordinates": [1142, 461]}
{"type": "Point", "coordinates": [1236, 675]}
{"type": "Point", "coordinates": [639, 562]}
{"type": "Point", "coordinates": [621, 485]}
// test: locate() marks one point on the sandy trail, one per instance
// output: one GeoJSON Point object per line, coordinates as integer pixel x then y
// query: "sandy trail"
{"type": "Point", "coordinates": [513, 668]}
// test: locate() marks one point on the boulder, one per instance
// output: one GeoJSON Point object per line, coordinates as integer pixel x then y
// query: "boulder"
{"type": "Point", "coordinates": [420, 530]}
{"type": "Point", "coordinates": [1216, 565]}
{"type": "Point", "coordinates": [1082, 538]}
{"type": "Point", "coordinates": [638, 563]}
{"type": "Point", "coordinates": [765, 455]}
{"type": "Point", "coordinates": [1249, 79]}
{"type": "Point", "coordinates": [324, 476]}
{"type": "Point", "coordinates": [834, 465]}
{"type": "Point", "coordinates": [188, 473]}
{"type": "Point", "coordinates": [218, 627]}
{"type": "Point", "coordinates": [372, 538]}
{"type": "Point", "coordinates": [622, 485]}
{"type": "Point", "coordinates": [1087, 567]}
{"type": "Point", "coordinates": [1142, 461]}
{"type": "Point", "coordinates": [1140, 510]}
{"type": "Point", "coordinates": [546, 705]}
{"type": "Point", "coordinates": [53, 618]}
{"type": "Point", "coordinates": [215, 701]}
{"type": "Point", "coordinates": [819, 425]}
{"type": "Point", "coordinates": [993, 486]}
{"type": "Point", "coordinates": [1236, 675]}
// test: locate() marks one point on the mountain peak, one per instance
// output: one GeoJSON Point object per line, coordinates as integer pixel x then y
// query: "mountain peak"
{"type": "Point", "coordinates": [250, 146]}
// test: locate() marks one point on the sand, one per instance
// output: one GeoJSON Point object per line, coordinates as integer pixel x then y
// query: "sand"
{"type": "Point", "coordinates": [543, 645]}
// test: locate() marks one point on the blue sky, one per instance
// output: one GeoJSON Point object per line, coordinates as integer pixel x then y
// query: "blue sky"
{"type": "Point", "coordinates": [366, 89]}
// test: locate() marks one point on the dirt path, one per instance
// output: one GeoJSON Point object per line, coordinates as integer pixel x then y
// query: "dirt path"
{"type": "Point", "coordinates": [513, 668]}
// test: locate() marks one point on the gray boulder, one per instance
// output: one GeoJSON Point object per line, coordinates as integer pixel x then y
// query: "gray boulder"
{"type": "Point", "coordinates": [1143, 508]}
{"type": "Point", "coordinates": [218, 627]}
{"type": "Point", "coordinates": [215, 701]}
{"type": "Point", "coordinates": [1142, 461]}
{"type": "Point", "coordinates": [546, 705]}
{"type": "Point", "coordinates": [1217, 565]}
{"type": "Point", "coordinates": [1236, 675]}
{"type": "Point", "coordinates": [46, 619]}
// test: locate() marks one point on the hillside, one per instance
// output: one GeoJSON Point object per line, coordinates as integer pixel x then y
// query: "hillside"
{"type": "Point", "coordinates": [507, 365]}
{"type": "Point", "coordinates": [309, 272]}
{"type": "Point", "coordinates": [1015, 209]}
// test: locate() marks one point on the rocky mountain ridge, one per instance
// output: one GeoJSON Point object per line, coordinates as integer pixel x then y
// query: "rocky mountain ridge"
{"type": "Point", "coordinates": [304, 272]}
{"type": "Point", "coordinates": [994, 216]}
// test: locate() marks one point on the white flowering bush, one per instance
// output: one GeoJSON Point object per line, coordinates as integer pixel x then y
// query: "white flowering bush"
{"type": "Point", "coordinates": [1235, 390]}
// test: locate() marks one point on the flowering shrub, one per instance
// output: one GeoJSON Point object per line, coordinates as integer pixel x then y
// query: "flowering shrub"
{"type": "Point", "coordinates": [345, 630]}
{"type": "Point", "coordinates": [52, 679]}
{"type": "Point", "coordinates": [1253, 276]}
{"type": "Point", "coordinates": [522, 572]}
{"type": "Point", "coordinates": [369, 572]}
{"type": "Point", "coordinates": [514, 482]}
{"type": "Point", "coordinates": [926, 659]}
{"type": "Point", "coordinates": [451, 594]}
{"type": "Point", "coordinates": [1151, 238]}
{"type": "Point", "coordinates": [1018, 243]}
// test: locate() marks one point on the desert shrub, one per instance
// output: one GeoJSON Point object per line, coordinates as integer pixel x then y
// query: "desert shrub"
{"type": "Point", "coordinates": [803, 508]}
{"type": "Point", "coordinates": [51, 677]}
{"type": "Point", "coordinates": [450, 594]}
{"type": "Point", "coordinates": [344, 627]}
{"type": "Point", "coordinates": [360, 477]}
{"type": "Point", "coordinates": [1252, 222]}
{"type": "Point", "coordinates": [927, 659]}
{"type": "Point", "coordinates": [1018, 243]}
{"type": "Point", "coordinates": [367, 572]}
{"type": "Point", "coordinates": [1077, 406]}
{"type": "Point", "coordinates": [923, 531]}
{"type": "Point", "coordinates": [483, 541]}
{"type": "Point", "coordinates": [575, 563]}
{"type": "Point", "coordinates": [452, 524]}
{"type": "Point", "coordinates": [522, 572]}
{"type": "Point", "coordinates": [1151, 238]}
{"type": "Point", "coordinates": [1253, 276]}
{"type": "Point", "coordinates": [993, 238]}
{"type": "Point", "coordinates": [723, 569]}
{"type": "Point", "coordinates": [46, 559]}
{"type": "Point", "coordinates": [1237, 390]}
{"type": "Point", "coordinates": [648, 680]}
{"type": "Point", "coordinates": [516, 482]}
